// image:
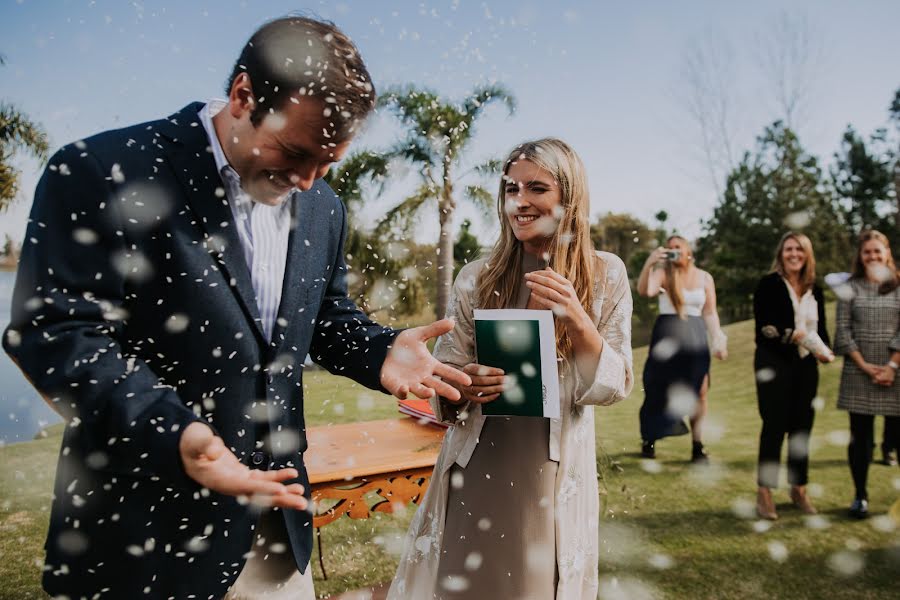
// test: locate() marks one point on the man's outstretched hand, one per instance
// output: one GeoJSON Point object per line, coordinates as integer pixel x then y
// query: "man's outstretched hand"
{"type": "Point", "coordinates": [210, 463]}
{"type": "Point", "coordinates": [410, 368]}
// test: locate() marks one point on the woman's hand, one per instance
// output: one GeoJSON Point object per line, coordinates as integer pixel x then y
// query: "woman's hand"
{"type": "Point", "coordinates": [812, 342]}
{"type": "Point", "coordinates": [824, 358]}
{"type": "Point", "coordinates": [884, 376]}
{"type": "Point", "coordinates": [657, 258]}
{"type": "Point", "coordinates": [551, 290]}
{"type": "Point", "coordinates": [869, 369]}
{"type": "Point", "coordinates": [487, 383]}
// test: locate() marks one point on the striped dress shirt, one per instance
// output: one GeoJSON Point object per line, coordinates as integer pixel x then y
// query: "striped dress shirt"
{"type": "Point", "coordinates": [263, 230]}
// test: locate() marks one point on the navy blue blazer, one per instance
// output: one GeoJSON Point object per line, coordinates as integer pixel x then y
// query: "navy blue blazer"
{"type": "Point", "coordinates": [134, 315]}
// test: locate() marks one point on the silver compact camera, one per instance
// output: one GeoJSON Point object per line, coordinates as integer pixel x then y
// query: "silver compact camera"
{"type": "Point", "coordinates": [673, 254]}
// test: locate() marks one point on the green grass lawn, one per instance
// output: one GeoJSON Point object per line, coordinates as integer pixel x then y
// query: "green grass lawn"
{"type": "Point", "coordinates": [668, 530]}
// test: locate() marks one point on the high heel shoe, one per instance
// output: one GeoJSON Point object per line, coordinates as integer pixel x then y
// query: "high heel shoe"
{"type": "Point", "coordinates": [698, 454]}
{"type": "Point", "coordinates": [801, 500]}
{"type": "Point", "coordinates": [765, 506]}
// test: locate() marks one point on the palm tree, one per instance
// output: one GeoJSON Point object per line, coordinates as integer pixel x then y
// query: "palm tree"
{"type": "Point", "coordinates": [438, 133]}
{"type": "Point", "coordinates": [378, 275]}
{"type": "Point", "coordinates": [17, 132]}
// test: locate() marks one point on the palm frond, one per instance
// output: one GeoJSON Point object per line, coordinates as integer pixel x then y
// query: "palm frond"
{"type": "Point", "coordinates": [9, 185]}
{"type": "Point", "coordinates": [354, 171]}
{"type": "Point", "coordinates": [413, 106]}
{"type": "Point", "coordinates": [489, 168]}
{"type": "Point", "coordinates": [471, 109]}
{"type": "Point", "coordinates": [485, 95]}
{"type": "Point", "coordinates": [481, 198]}
{"type": "Point", "coordinates": [404, 213]}
{"type": "Point", "coordinates": [416, 150]}
{"type": "Point", "coordinates": [20, 132]}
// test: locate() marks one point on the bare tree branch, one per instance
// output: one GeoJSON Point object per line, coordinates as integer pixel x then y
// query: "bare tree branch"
{"type": "Point", "coordinates": [790, 58]}
{"type": "Point", "coordinates": [709, 95]}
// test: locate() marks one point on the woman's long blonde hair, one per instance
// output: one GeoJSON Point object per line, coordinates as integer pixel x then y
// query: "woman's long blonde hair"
{"type": "Point", "coordinates": [571, 250]}
{"type": "Point", "coordinates": [808, 272]}
{"type": "Point", "coordinates": [859, 269]}
{"type": "Point", "coordinates": [674, 280]}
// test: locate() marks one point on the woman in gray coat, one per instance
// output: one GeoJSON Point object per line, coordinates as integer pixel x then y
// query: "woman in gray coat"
{"type": "Point", "coordinates": [868, 335]}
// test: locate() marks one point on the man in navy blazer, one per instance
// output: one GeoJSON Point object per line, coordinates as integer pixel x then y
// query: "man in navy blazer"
{"type": "Point", "coordinates": [142, 316]}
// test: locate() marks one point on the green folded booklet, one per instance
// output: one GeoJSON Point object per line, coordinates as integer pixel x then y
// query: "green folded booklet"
{"type": "Point", "coordinates": [522, 342]}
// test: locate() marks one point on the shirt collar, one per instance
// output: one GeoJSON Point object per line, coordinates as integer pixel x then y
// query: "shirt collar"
{"type": "Point", "coordinates": [209, 110]}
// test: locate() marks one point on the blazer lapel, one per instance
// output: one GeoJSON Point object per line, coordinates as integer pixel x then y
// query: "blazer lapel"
{"type": "Point", "coordinates": [195, 168]}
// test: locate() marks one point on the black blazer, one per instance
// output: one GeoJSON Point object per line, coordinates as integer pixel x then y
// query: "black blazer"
{"type": "Point", "coordinates": [773, 312]}
{"type": "Point", "coordinates": [134, 315]}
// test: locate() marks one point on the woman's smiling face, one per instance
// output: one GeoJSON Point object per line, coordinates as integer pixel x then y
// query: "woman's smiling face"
{"type": "Point", "coordinates": [533, 204]}
{"type": "Point", "coordinates": [793, 257]}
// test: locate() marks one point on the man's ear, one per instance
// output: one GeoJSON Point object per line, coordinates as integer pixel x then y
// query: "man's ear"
{"type": "Point", "coordinates": [240, 98]}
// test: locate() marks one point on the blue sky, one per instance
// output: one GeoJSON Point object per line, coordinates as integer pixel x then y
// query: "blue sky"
{"type": "Point", "coordinates": [600, 75]}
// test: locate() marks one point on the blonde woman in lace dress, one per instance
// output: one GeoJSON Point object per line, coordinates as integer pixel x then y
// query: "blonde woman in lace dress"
{"type": "Point", "coordinates": [512, 510]}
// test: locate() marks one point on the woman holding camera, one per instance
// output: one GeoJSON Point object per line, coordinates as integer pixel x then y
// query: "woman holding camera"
{"type": "Point", "coordinates": [868, 335]}
{"type": "Point", "coordinates": [676, 374]}
{"type": "Point", "coordinates": [789, 310]}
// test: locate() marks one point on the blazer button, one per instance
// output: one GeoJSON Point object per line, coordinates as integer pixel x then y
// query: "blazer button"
{"type": "Point", "coordinates": [257, 458]}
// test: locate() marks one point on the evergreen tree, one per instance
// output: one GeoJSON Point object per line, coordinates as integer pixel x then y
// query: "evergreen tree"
{"type": "Point", "coordinates": [863, 180]}
{"type": "Point", "coordinates": [894, 112]}
{"type": "Point", "coordinates": [778, 188]}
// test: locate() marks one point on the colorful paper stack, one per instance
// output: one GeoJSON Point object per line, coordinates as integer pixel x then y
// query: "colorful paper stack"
{"type": "Point", "coordinates": [419, 409]}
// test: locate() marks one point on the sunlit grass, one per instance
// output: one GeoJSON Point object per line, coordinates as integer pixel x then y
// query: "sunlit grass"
{"type": "Point", "coordinates": [669, 530]}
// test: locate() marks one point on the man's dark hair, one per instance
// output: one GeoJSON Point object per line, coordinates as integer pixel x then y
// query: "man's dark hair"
{"type": "Point", "coordinates": [302, 56]}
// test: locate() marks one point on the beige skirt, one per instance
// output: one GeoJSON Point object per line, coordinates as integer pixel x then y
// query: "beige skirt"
{"type": "Point", "coordinates": [499, 538]}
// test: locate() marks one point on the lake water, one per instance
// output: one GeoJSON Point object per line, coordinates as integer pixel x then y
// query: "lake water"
{"type": "Point", "coordinates": [22, 411]}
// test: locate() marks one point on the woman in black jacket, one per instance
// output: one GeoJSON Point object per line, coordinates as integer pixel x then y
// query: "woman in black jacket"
{"type": "Point", "coordinates": [790, 336]}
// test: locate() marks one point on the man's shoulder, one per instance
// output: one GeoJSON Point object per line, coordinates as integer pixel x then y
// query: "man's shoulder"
{"type": "Point", "coordinates": [321, 200]}
{"type": "Point", "coordinates": [140, 136]}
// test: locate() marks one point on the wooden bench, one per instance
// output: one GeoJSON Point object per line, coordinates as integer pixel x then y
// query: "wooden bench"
{"type": "Point", "coordinates": [392, 458]}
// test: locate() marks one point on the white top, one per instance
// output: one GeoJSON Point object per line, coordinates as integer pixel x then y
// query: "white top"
{"type": "Point", "coordinates": [263, 230]}
{"type": "Point", "coordinates": [694, 300]}
{"type": "Point", "coordinates": [806, 313]}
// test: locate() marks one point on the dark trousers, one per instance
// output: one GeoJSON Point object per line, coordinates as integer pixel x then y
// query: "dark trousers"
{"type": "Point", "coordinates": [891, 435]}
{"type": "Point", "coordinates": [859, 452]}
{"type": "Point", "coordinates": [785, 388]}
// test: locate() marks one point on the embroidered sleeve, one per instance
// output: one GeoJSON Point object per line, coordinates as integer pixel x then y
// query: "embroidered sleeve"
{"type": "Point", "coordinates": [614, 377]}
